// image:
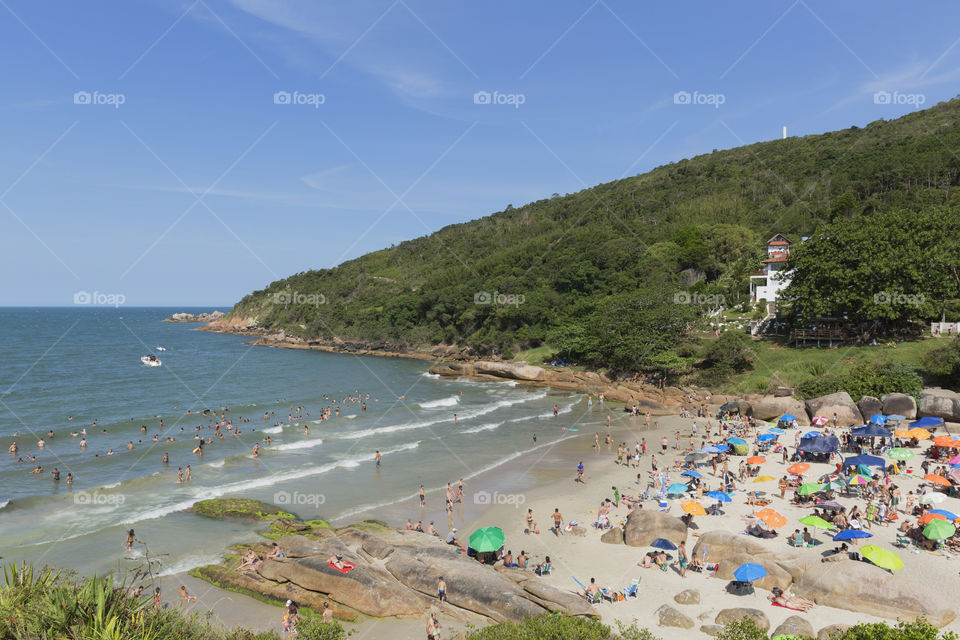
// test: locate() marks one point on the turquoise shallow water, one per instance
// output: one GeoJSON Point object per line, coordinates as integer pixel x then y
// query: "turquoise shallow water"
{"type": "Point", "coordinates": [84, 363]}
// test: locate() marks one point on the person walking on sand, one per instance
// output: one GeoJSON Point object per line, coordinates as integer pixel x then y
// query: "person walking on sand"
{"type": "Point", "coordinates": [682, 559]}
{"type": "Point", "coordinates": [423, 496]}
{"type": "Point", "coordinates": [442, 590]}
{"type": "Point", "coordinates": [376, 458]}
{"type": "Point", "coordinates": [557, 521]}
{"type": "Point", "coordinates": [580, 473]}
{"type": "Point", "coordinates": [531, 524]}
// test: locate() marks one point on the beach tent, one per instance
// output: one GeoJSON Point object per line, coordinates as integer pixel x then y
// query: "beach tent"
{"type": "Point", "coordinates": [929, 421]}
{"type": "Point", "coordinates": [870, 461]}
{"type": "Point", "coordinates": [819, 444]}
{"type": "Point", "coordinates": [871, 431]}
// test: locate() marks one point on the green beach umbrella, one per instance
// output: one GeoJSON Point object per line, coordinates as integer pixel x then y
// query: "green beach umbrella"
{"type": "Point", "coordinates": [901, 455]}
{"type": "Point", "coordinates": [487, 539]}
{"type": "Point", "coordinates": [816, 521]}
{"type": "Point", "coordinates": [834, 484]}
{"type": "Point", "coordinates": [939, 530]}
{"type": "Point", "coordinates": [881, 557]}
{"type": "Point", "coordinates": [809, 487]}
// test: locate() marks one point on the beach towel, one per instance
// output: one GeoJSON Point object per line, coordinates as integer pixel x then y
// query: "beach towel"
{"type": "Point", "coordinates": [783, 606]}
{"type": "Point", "coordinates": [347, 566]}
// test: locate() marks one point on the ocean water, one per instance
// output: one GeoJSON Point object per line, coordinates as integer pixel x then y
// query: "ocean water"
{"type": "Point", "coordinates": [70, 369]}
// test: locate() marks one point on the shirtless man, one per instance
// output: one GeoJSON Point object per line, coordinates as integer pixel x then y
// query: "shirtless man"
{"type": "Point", "coordinates": [423, 496]}
{"type": "Point", "coordinates": [377, 458]}
{"type": "Point", "coordinates": [432, 530]}
{"type": "Point", "coordinates": [557, 521]}
{"type": "Point", "coordinates": [531, 524]}
{"type": "Point", "coordinates": [327, 613]}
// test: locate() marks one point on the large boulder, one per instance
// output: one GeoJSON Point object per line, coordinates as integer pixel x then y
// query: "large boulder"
{"type": "Point", "coordinates": [900, 404]}
{"type": "Point", "coordinates": [509, 370]}
{"type": "Point", "coordinates": [776, 576]}
{"type": "Point", "coordinates": [687, 596]}
{"type": "Point", "coordinates": [865, 588]}
{"type": "Point", "coordinates": [613, 536]}
{"type": "Point", "coordinates": [644, 526]}
{"type": "Point", "coordinates": [667, 616]}
{"type": "Point", "coordinates": [830, 631]}
{"type": "Point", "coordinates": [470, 585]}
{"type": "Point", "coordinates": [767, 407]}
{"type": "Point", "coordinates": [795, 626]}
{"type": "Point", "coordinates": [739, 613]}
{"type": "Point", "coordinates": [840, 403]}
{"type": "Point", "coordinates": [730, 550]}
{"type": "Point", "coordinates": [556, 600]}
{"type": "Point", "coordinates": [940, 403]}
{"type": "Point", "coordinates": [868, 406]}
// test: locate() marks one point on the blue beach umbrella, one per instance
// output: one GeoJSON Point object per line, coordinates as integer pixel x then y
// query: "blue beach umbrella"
{"type": "Point", "coordinates": [776, 431]}
{"type": "Point", "coordinates": [691, 474]}
{"type": "Point", "coordinates": [735, 441]}
{"type": "Point", "coordinates": [896, 417]}
{"type": "Point", "coordinates": [677, 487]}
{"type": "Point", "coordinates": [710, 449]}
{"type": "Point", "coordinates": [719, 496]}
{"type": "Point", "coordinates": [766, 437]}
{"type": "Point", "coordinates": [878, 418]}
{"type": "Point", "coordinates": [722, 447]}
{"type": "Point", "coordinates": [850, 534]}
{"type": "Point", "coordinates": [788, 417]}
{"type": "Point", "coordinates": [748, 572]}
{"type": "Point", "coordinates": [663, 543]}
{"type": "Point", "coordinates": [810, 434]}
{"type": "Point", "coordinates": [946, 514]}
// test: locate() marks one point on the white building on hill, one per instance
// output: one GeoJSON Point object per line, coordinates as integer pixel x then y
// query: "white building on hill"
{"type": "Point", "coordinates": [776, 274]}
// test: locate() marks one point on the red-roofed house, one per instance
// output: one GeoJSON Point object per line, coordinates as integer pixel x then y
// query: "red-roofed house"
{"type": "Point", "coordinates": [776, 274]}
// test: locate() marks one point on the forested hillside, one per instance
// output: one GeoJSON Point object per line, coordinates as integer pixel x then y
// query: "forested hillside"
{"type": "Point", "coordinates": [595, 273]}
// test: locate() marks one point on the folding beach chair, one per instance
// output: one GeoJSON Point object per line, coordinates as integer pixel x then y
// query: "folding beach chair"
{"type": "Point", "coordinates": [630, 591]}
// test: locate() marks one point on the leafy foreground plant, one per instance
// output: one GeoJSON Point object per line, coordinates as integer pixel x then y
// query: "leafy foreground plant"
{"type": "Point", "coordinates": [39, 605]}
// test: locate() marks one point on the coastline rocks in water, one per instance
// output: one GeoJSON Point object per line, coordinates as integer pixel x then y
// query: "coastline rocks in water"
{"type": "Point", "coordinates": [829, 631]}
{"type": "Point", "coordinates": [940, 403]}
{"type": "Point", "coordinates": [900, 404]}
{"type": "Point", "coordinates": [840, 403]}
{"type": "Point", "coordinates": [200, 317]}
{"type": "Point", "coordinates": [767, 407]}
{"type": "Point", "coordinates": [869, 589]}
{"type": "Point", "coordinates": [795, 626]}
{"type": "Point", "coordinates": [644, 526]}
{"type": "Point", "coordinates": [739, 613]}
{"type": "Point", "coordinates": [869, 406]}
{"type": "Point", "coordinates": [667, 616]}
{"type": "Point", "coordinates": [509, 370]}
{"type": "Point", "coordinates": [687, 596]}
{"type": "Point", "coordinates": [239, 508]}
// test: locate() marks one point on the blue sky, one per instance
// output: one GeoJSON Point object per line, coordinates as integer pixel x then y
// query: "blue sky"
{"type": "Point", "coordinates": [206, 183]}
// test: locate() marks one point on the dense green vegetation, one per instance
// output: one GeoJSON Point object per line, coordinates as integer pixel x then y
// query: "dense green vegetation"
{"type": "Point", "coordinates": [615, 276]}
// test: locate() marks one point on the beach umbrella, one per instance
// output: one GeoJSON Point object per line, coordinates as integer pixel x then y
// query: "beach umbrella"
{"type": "Point", "coordinates": [721, 448]}
{"type": "Point", "coordinates": [719, 496]}
{"type": "Point", "coordinates": [831, 505]}
{"type": "Point", "coordinates": [663, 543]}
{"type": "Point", "coordinates": [903, 434]}
{"type": "Point", "coordinates": [858, 479]}
{"type": "Point", "coordinates": [710, 449]}
{"type": "Point", "coordinates": [929, 421]}
{"type": "Point", "coordinates": [896, 417]}
{"type": "Point", "coordinates": [816, 521]}
{"type": "Point", "coordinates": [820, 420]}
{"type": "Point", "coordinates": [946, 442]}
{"type": "Point", "coordinates": [771, 518]}
{"type": "Point", "coordinates": [677, 487]}
{"type": "Point", "coordinates": [919, 433]}
{"type": "Point", "coordinates": [935, 479]}
{"type": "Point", "coordinates": [776, 431]}
{"type": "Point", "coordinates": [879, 419]}
{"type": "Point", "coordinates": [955, 460]}
{"type": "Point", "coordinates": [834, 484]}
{"type": "Point", "coordinates": [851, 534]}
{"type": "Point", "coordinates": [810, 487]}
{"type": "Point", "coordinates": [788, 417]}
{"type": "Point", "coordinates": [798, 468]}
{"type": "Point", "coordinates": [756, 460]}
{"type": "Point", "coordinates": [954, 474]}
{"type": "Point", "coordinates": [748, 572]}
{"type": "Point", "coordinates": [901, 455]}
{"type": "Point", "coordinates": [692, 474]}
{"type": "Point", "coordinates": [949, 515]}
{"type": "Point", "coordinates": [693, 507]}
{"type": "Point", "coordinates": [735, 441]}
{"type": "Point", "coordinates": [766, 437]}
{"type": "Point", "coordinates": [930, 516]}
{"type": "Point", "coordinates": [939, 530]}
{"type": "Point", "coordinates": [696, 456]}
{"type": "Point", "coordinates": [763, 479]}
{"type": "Point", "coordinates": [932, 498]}
{"type": "Point", "coordinates": [829, 477]}
{"type": "Point", "coordinates": [487, 539]}
{"type": "Point", "coordinates": [881, 557]}
{"type": "Point", "coordinates": [810, 434]}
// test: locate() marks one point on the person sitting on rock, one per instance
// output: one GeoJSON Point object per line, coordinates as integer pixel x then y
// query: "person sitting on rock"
{"type": "Point", "coordinates": [543, 568]}
{"type": "Point", "coordinates": [508, 558]}
{"type": "Point", "coordinates": [249, 559]}
{"type": "Point", "coordinates": [432, 530]}
{"type": "Point", "coordinates": [276, 553]}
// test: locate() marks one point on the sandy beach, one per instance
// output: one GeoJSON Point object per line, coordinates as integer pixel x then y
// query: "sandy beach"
{"type": "Point", "coordinates": [544, 479]}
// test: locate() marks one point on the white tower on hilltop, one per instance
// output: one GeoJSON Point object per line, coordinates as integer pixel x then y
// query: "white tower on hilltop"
{"type": "Point", "coordinates": [784, 132]}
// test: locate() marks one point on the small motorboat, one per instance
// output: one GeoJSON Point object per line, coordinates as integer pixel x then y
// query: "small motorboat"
{"type": "Point", "coordinates": [151, 361]}
{"type": "Point", "coordinates": [159, 348]}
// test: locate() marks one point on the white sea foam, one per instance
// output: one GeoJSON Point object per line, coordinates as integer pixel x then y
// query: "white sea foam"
{"type": "Point", "coordinates": [543, 416]}
{"type": "Point", "coordinates": [217, 464]}
{"type": "Point", "coordinates": [274, 429]}
{"type": "Point", "coordinates": [303, 444]}
{"type": "Point", "coordinates": [484, 427]}
{"type": "Point", "coordinates": [442, 402]}
{"type": "Point", "coordinates": [185, 563]}
{"type": "Point", "coordinates": [427, 374]}
{"type": "Point", "coordinates": [4, 503]}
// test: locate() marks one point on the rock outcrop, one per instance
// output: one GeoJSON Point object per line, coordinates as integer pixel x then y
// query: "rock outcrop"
{"type": "Point", "coordinates": [795, 626]}
{"type": "Point", "coordinates": [730, 550]}
{"type": "Point", "coordinates": [687, 596]}
{"type": "Point", "coordinates": [667, 616]}
{"type": "Point", "coordinates": [901, 404]}
{"type": "Point", "coordinates": [831, 630]}
{"type": "Point", "coordinates": [868, 406]}
{"type": "Point", "coordinates": [200, 317]}
{"type": "Point", "coordinates": [395, 572]}
{"type": "Point", "coordinates": [868, 589]}
{"type": "Point", "coordinates": [841, 403]}
{"type": "Point", "coordinates": [767, 407]}
{"type": "Point", "coordinates": [644, 526]}
{"type": "Point", "coordinates": [940, 403]}
{"type": "Point", "coordinates": [739, 613]}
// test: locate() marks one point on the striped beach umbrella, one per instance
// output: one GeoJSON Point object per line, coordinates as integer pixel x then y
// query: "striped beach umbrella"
{"type": "Point", "coordinates": [820, 420]}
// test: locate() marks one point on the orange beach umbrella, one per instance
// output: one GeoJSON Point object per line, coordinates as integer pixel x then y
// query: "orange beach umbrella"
{"type": "Point", "coordinates": [927, 517]}
{"type": "Point", "coordinates": [935, 479]}
{"type": "Point", "coordinates": [693, 507]}
{"type": "Point", "coordinates": [799, 468]}
{"type": "Point", "coordinates": [771, 518]}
